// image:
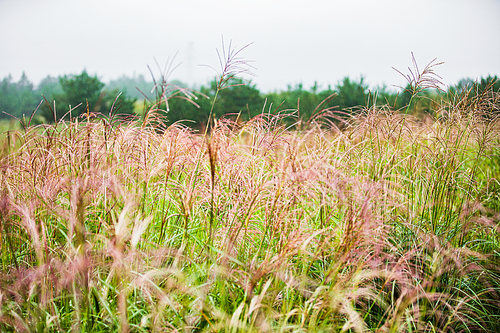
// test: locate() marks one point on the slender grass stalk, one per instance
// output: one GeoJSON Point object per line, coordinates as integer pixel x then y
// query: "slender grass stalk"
{"type": "Point", "coordinates": [265, 225]}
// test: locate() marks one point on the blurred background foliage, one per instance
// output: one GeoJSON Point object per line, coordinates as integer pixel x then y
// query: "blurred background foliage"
{"type": "Point", "coordinates": [53, 98]}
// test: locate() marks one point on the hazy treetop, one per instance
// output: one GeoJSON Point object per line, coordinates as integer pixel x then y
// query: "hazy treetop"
{"type": "Point", "coordinates": [293, 41]}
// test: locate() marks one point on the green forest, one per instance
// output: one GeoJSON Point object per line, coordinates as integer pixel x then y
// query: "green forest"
{"type": "Point", "coordinates": [69, 96]}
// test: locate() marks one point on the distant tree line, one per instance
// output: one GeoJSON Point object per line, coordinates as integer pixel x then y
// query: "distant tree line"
{"type": "Point", "coordinates": [65, 96]}
{"type": "Point", "coordinates": [74, 95]}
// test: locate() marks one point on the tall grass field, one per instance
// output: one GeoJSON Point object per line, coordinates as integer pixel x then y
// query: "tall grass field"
{"type": "Point", "coordinates": [376, 222]}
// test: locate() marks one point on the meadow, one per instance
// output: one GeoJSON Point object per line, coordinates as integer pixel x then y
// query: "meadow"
{"type": "Point", "coordinates": [374, 222]}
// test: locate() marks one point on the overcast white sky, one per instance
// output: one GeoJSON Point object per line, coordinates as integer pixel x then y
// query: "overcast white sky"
{"type": "Point", "coordinates": [293, 41]}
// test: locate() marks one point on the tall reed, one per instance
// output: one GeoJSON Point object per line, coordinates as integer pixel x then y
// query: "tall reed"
{"type": "Point", "coordinates": [386, 225]}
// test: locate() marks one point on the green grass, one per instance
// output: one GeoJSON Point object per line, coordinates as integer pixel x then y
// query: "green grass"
{"type": "Point", "coordinates": [8, 136]}
{"type": "Point", "coordinates": [390, 225]}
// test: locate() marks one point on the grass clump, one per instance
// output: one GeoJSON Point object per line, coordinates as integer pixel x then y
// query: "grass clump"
{"type": "Point", "coordinates": [387, 225]}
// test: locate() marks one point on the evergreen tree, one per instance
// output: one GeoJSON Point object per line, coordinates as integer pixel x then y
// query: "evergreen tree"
{"type": "Point", "coordinates": [77, 91]}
